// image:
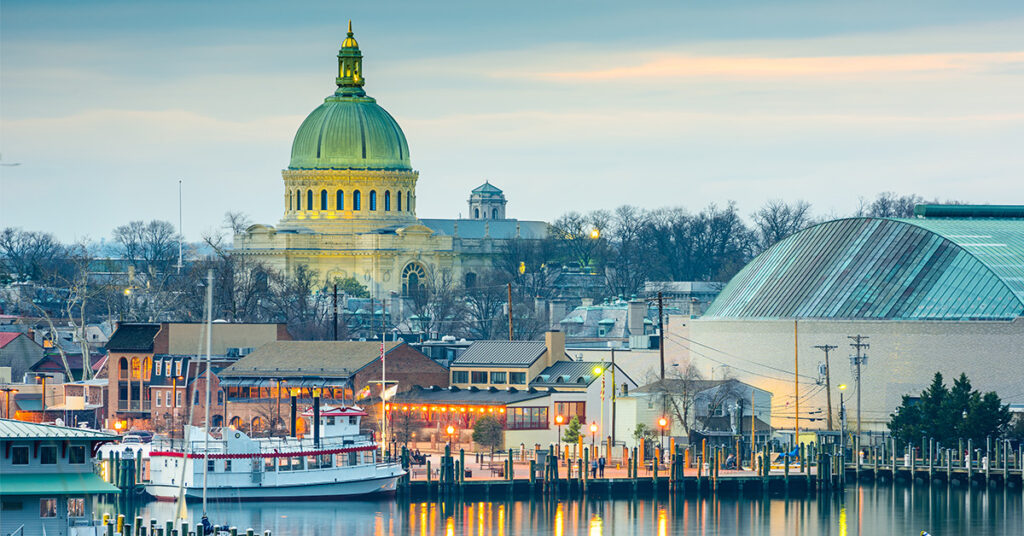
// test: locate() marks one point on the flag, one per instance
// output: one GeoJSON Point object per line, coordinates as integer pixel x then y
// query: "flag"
{"type": "Point", "coordinates": [390, 391]}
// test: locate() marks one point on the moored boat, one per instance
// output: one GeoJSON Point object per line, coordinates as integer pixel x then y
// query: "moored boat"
{"type": "Point", "coordinates": [341, 462]}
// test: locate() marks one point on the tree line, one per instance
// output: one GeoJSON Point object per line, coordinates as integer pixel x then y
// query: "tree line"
{"type": "Point", "coordinates": [140, 275]}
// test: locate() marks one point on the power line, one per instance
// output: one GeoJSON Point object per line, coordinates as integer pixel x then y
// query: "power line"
{"type": "Point", "coordinates": [720, 362]}
{"type": "Point", "coordinates": [784, 371]}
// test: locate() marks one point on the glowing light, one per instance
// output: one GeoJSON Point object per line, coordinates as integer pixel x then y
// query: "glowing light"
{"type": "Point", "coordinates": [424, 408]}
{"type": "Point", "coordinates": [451, 429]}
{"type": "Point", "coordinates": [559, 419]}
{"type": "Point", "coordinates": [595, 233]}
{"type": "Point", "coordinates": [663, 422]}
{"type": "Point", "coordinates": [593, 427]}
{"type": "Point", "coordinates": [502, 410]}
{"type": "Point", "coordinates": [596, 525]}
{"type": "Point", "coordinates": [842, 387]}
{"type": "Point", "coordinates": [598, 371]}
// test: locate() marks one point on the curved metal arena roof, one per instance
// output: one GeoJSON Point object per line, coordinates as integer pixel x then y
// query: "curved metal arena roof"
{"type": "Point", "coordinates": [885, 269]}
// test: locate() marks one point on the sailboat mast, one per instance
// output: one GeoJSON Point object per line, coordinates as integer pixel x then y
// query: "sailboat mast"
{"type": "Point", "coordinates": [206, 419]}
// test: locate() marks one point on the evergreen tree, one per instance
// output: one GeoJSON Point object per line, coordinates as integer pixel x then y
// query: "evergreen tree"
{"type": "Point", "coordinates": [487, 433]}
{"type": "Point", "coordinates": [572, 431]}
{"type": "Point", "coordinates": [947, 415]}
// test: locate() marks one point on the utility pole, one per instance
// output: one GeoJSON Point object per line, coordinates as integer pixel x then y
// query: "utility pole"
{"type": "Point", "coordinates": [180, 238]}
{"type": "Point", "coordinates": [661, 336]}
{"type": "Point", "coordinates": [335, 313]}
{"type": "Point", "coordinates": [796, 381]}
{"type": "Point", "coordinates": [828, 382]}
{"type": "Point", "coordinates": [510, 311]}
{"type": "Point", "coordinates": [858, 360]}
{"type": "Point", "coordinates": [613, 399]}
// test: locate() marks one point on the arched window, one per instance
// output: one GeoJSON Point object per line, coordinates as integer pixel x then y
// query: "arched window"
{"type": "Point", "coordinates": [413, 276]}
{"type": "Point", "coordinates": [356, 200]}
{"type": "Point", "coordinates": [258, 424]}
{"type": "Point", "coordinates": [408, 201]}
{"type": "Point", "coordinates": [298, 199]}
{"type": "Point", "coordinates": [387, 200]}
{"type": "Point", "coordinates": [323, 199]}
{"type": "Point", "coordinates": [476, 214]}
{"type": "Point", "coordinates": [291, 202]}
{"type": "Point", "coordinates": [236, 422]}
{"type": "Point", "coordinates": [399, 196]}
{"type": "Point", "coordinates": [309, 199]}
{"type": "Point", "coordinates": [147, 368]}
{"type": "Point", "coordinates": [136, 368]}
{"type": "Point", "coordinates": [494, 214]}
{"type": "Point", "coordinates": [217, 421]}
{"type": "Point", "coordinates": [123, 367]}
{"type": "Point", "coordinates": [373, 199]}
{"type": "Point", "coordinates": [339, 199]}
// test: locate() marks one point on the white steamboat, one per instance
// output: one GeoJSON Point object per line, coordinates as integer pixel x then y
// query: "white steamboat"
{"type": "Point", "coordinates": [340, 463]}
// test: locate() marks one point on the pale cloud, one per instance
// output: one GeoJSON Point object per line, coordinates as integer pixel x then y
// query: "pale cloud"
{"type": "Point", "coordinates": [679, 66]}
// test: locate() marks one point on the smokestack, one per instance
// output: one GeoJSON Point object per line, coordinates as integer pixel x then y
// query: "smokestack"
{"type": "Point", "coordinates": [635, 316]}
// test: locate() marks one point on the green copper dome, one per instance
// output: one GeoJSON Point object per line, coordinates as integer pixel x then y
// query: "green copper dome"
{"type": "Point", "coordinates": [350, 130]}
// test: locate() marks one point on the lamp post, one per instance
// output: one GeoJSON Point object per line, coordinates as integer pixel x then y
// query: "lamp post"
{"type": "Point", "coordinates": [593, 435]}
{"type": "Point", "coordinates": [662, 423]}
{"type": "Point", "coordinates": [559, 420]}
{"type": "Point", "coordinates": [451, 432]}
{"type": "Point", "coordinates": [174, 398]}
{"type": "Point", "coordinates": [42, 398]}
{"type": "Point", "coordinates": [842, 419]}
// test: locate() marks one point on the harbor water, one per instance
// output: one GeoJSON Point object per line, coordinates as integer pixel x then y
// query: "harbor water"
{"type": "Point", "coordinates": [867, 509]}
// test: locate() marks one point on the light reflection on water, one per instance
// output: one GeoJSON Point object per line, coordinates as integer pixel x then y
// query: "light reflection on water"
{"type": "Point", "coordinates": [868, 510]}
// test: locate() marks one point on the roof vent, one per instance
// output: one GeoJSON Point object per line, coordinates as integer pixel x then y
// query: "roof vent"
{"type": "Point", "coordinates": [492, 389]}
{"type": "Point", "coordinates": [435, 388]}
{"type": "Point", "coordinates": [512, 389]}
{"type": "Point", "coordinates": [473, 389]}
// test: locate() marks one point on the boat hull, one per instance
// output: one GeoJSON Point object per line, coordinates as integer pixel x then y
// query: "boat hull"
{"type": "Point", "coordinates": [352, 488]}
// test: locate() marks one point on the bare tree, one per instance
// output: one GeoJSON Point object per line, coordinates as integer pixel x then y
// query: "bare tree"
{"type": "Point", "coordinates": [30, 255]}
{"type": "Point", "coordinates": [777, 220]}
{"type": "Point", "coordinates": [485, 305]}
{"type": "Point", "coordinates": [677, 393]}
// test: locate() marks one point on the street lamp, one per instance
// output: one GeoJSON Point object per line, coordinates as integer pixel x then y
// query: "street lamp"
{"type": "Point", "coordinates": [595, 233]}
{"type": "Point", "coordinates": [842, 419]}
{"type": "Point", "coordinates": [662, 423]}
{"type": "Point", "coordinates": [593, 435]}
{"type": "Point", "coordinates": [559, 420]}
{"type": "Point", "coordinates": [42, 376]}
{"type": "Point", "coordinates": [451, 433]}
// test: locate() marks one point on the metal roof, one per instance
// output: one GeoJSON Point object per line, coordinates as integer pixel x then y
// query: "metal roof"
{"type": "Point", "coordinates": [307, 359]}
{"type": "Point", "coordinates": [133, 338]}
{"type": "Point", "coordinates": [508, 353]}
{"type": "Point", "coordinates": [12, 429]}
{"type": "Point", "coordinates": [64, 483]}
{"type": "Point", "coordinates": [567, 373]}
{"type": "Point", "coordinates": [885, 269]}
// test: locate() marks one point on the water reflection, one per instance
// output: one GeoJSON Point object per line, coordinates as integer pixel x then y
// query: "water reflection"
{"type": "Point", "coordinates": [868, 510]}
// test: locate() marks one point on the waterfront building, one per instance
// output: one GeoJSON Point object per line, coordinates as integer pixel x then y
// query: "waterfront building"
{"type": "Point", "coordinates": [142, 355]}
{"type": "Point", "coordinates": [18, 352]}
{"type": "Point", "coordinates": [525, 384]}
{"type": "Point", "coordinates": [350, 202]}
{"type": "Point", "coordinates": [345, 372]}
{"type": "Point", "coordinates": [943, 291]}
{"type": "Point", "coordinates": [47, 482]}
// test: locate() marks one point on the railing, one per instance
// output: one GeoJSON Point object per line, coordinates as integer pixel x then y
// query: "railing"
{"type": "Point", "coordinates": [133, 405]}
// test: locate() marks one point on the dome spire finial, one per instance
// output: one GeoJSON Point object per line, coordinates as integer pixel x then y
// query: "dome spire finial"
{"type": "Point", "coordinates": [350, 67]}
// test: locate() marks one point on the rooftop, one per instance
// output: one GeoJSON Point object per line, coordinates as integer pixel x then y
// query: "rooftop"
{"type": "Point", "coordinates": [508, 353]}
{"type": "Point", "coordinates": [935, 268]}
{"type": "Point", "coordinates": [133, 338]}
{"type": "Point", "coordinates": [12, 429]}
{"type": "Point", "coordinates": [454, 395]}
{"type": "Point", "coordinates": [301, 359]}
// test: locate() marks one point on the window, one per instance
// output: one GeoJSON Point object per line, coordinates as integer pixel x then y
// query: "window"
{"type": "Point", "coordinates": [47, 507]}
{"type": "Point", "coordinates": [76, 454]}
{"type": "Point", "coordinates": [76, 507]}
{"type": "Point", "coordinates": [290, 201]}
{"type": "Point", "coordinates": [356, 200]}
{"type": "Point", "coordinates": [298, 200]}
{"type": "Point", "coordinates": [177, 367]}
{"type": "Point", "coordinates": [19, 456]}
{"type": "Point", "coordinates": [373, 199]}
{"type": "Point", "coordinates": [535, 418]}
{"type": "Point", "coordinates": [479, 376]}
{"type": "Point", "coordinates": [518, 378]}
{"type": "Point", "coordinates": [498, 377]}
{"type": "Point", "coordinates": [387, 200]}
{"type": "Point", "coordinates": [220, 398]}
{"type": "Point", "coordinates": [168, 395]}
{"type": "Point", "coordinates": [269, 465]}
{"type": "Point", "coordinates": [195, 397]}
{"type": "Point", "coordinates": [158, 366]}
{"type": "Point", "coordinates": [210, 465]}
{"type": "Point", "coordinates": [227, 465]}
{"type": "Point", "coordinates": [309, 199]}
{"type": "Point", "coordinates": [339, 200]}
{"type": "Point", "coordinates": [476, 214]}
{"type": "Point", "coordinates": [48, 455]}
{"type": "Point", "coordinates": [398, 196]}
{"type": "Point", "coordinates": [177, 398]}
{"type": "Point", "coordinates": [158, 399]}
{"type": "Point", "coordinates": [494, 214]}
{"type": "Point", "coordinates": [571, 409]}
{"type": "Point", "coordinates": [408, 201]}
{"type": "Point", "coordinates": [323, 199]}
{"type": "Point", "coordinates": [460, 376]}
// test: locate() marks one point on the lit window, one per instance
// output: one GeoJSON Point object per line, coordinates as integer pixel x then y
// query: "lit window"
{"type": "Point", "coordinates": [158, 367]}
{"type": "Point", "coordinates": [76, 507]}
{"type": "Point", "coordinates": [47, 507]}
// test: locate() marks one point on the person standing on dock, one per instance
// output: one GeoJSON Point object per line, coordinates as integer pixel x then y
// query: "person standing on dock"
{"type": "Point", "coordinates": [600, 465]}
{"type": "Point", "coordinates": [593, 468]}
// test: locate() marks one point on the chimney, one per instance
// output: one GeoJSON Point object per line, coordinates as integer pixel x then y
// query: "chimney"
{"type": "Point", "coordinates": [556, 312]}
{"type": "Point", "coordinates": [555, 341]}
{"type": "Point", "coordinates": [587, 302]}
{"type": "Point", "coordinates": [694, 308]}
{"type": "Point", "coordinates": [635, 316]}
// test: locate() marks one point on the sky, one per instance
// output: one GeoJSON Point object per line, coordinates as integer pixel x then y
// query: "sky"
{"type": "Point", "coordinates": [565, 105]}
